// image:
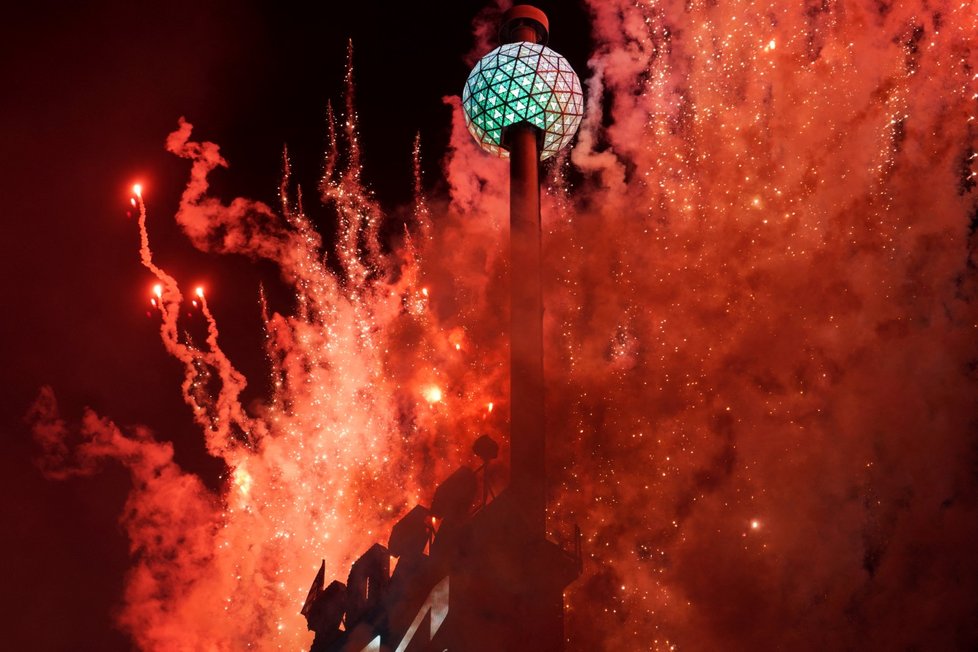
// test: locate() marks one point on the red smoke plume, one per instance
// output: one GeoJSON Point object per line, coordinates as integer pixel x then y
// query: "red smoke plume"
{"type": "Point", "coordinates": [761, 351]}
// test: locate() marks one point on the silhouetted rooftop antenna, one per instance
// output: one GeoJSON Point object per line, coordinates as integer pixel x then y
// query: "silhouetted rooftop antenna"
{"type": "Point", "coordinates": [487, 450]}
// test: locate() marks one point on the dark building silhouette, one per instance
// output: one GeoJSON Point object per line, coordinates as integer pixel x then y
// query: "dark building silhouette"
{"type": "Point", "coordinates": [476, 572]}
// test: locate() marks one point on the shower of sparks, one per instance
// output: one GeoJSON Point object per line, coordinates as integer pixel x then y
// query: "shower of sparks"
{"type": "Point", "coordinates": [759, 319]}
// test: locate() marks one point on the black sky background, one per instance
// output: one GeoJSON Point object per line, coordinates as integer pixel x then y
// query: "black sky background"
{"type": "Point", "coordinates": [88, 94]}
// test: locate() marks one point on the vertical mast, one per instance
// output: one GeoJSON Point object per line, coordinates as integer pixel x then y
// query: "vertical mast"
{"type": "Point", "coordinates": [527, 424]}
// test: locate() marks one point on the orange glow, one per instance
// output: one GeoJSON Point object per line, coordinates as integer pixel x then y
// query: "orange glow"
{"type": "Point", "coordinates": [432, 393]}
{"type": "Point", "coordinates": [456, 337]}
{"type": "Point", "coordinates": [242, 480]}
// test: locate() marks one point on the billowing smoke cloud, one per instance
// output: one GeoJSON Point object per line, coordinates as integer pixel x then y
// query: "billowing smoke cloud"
{"type": "Point", "coordinates": [761, 350]}
{"type": "Point", "coordinates": [170, 517]}
{"type": "Point", "coordinates": [767, 303]}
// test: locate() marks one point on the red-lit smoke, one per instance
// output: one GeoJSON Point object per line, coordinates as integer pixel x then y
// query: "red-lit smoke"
{"type": "Point", "coordinates": [761, 334]}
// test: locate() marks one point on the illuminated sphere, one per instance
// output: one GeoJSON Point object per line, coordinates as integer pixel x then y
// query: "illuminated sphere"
{"type": "Point", "coordinates": [523, 82]}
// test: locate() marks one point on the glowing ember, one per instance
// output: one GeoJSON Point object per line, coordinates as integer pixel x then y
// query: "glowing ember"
{"type": "Point", "coordinates": [432, 394]}
{"type": "Point", "coordinates": [242, 480]}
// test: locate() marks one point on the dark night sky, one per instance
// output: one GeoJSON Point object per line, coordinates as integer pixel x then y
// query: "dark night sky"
{"type": "Point", "coordinates": [89, 93]}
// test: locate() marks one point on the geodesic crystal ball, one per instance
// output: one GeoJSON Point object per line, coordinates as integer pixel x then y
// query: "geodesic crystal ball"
{"type": "Point", "coordinates": [523, 82]}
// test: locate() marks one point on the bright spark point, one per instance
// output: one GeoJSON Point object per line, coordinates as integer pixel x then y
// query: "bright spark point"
{"type": "Point", "coordinates": [158, 290]}
{"type": "Point", "coordinates": [242, 479]}
{"type": "Point", "coordinates": [432, 394]}
{"type": "Point", "coordinates": [199, 292]}
{"type": "Point", "coordinates": [490, 406]}
{"type": "Point", "coordinates": [424, 291]}
{"type": "Point", "coordinates": [755, 524]}
{"type": "Point", "coordinates": [138, 190]}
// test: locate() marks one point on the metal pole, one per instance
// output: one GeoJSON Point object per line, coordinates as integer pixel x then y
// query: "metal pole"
{"type": "Point", "coordinates": [527, 434]}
